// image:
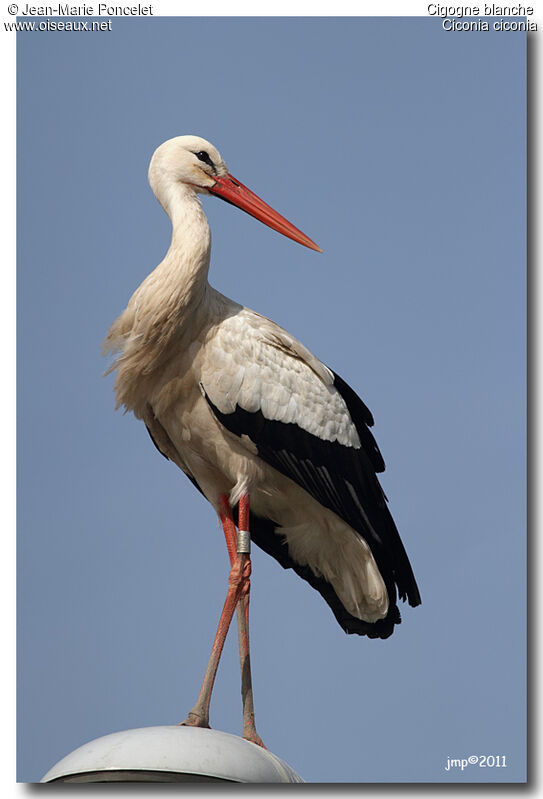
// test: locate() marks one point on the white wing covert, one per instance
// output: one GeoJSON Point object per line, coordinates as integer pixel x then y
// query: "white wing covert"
{"type": "Point", "coordinates": [252, 364]}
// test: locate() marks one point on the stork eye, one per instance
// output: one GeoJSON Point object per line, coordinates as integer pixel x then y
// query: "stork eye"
{"type": "Point", "coordinates": [203, 156]}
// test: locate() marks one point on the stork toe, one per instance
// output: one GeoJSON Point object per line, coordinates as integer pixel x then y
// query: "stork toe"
{"type": "Point", "coordinates": [196, 718]}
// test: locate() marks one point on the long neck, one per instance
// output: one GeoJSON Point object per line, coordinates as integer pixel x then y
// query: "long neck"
{"type": "Point", "coordinates": [186, 265]}
{"type": "Point", "coordinates": [167, 311]}
{"type": "Point", "coordinates": [170, 304]}
{"type": "Point", "coordinates": [172, 294]}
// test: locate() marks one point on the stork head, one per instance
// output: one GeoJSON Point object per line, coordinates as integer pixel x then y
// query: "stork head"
{"type": "Point", "coordinates": [186, 159]}
{"type": "Point", "coordinates": [195, 164]}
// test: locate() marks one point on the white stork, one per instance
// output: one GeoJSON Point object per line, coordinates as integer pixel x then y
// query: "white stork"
{"type": "Point", "coordinates": [251, 416]}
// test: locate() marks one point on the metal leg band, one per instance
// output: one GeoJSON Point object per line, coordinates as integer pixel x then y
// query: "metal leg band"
{"type": "Point", "coordinates": [243, 542]}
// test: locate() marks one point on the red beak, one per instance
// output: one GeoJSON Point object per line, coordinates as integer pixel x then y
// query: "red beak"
{"type": "Point", "coordinates": [231, 190]}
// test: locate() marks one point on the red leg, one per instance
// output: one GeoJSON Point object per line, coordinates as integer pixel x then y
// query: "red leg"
{"type": "Point", "coordinates": [199, 715]}
{"type": "Point", "coordinates": [228, 527]}
{"type": "Point", "coordinates": [249, 729]}
{"type": "Point", "coordinates": [238, 594]}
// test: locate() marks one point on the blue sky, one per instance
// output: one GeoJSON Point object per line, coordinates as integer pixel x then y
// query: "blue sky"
{"type": "Point", "coordinates": [399, 148]}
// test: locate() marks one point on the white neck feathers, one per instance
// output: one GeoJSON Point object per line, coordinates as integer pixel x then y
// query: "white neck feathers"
{"type": "Point", "coordinates": [165, 313]}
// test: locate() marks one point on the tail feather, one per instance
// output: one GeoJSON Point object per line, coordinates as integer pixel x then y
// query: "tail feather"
{"type": "Point", "coordinates": [264, 536]}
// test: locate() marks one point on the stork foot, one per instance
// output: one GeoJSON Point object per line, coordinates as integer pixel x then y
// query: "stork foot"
{"type": "Point", "coordinates": [195, 719]}
{"type": "Point", "coordinates": [254, 737]}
